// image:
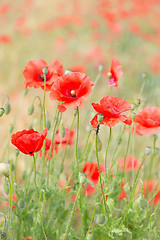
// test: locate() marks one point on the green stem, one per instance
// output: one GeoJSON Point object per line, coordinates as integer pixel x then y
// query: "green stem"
{"type": "Point", "coordinates": [132, 195]}
{"type": "Point", "coordinates": [40, 102]}
{"type": "Point", "coordinates": [16, 169]}
{"type": "Point", "coordinates": [152, 158]}
{"type": "Point", "coordinates": [109, 139]}
{"type": "Point", "coordinates": [35, 172]}
{"type": "Point", "coordinates": [10, 206]}
{"type": "Point", "coordinates": [72, 213]}
{"type": "Point", "coordinates": [77, 161]}
{"type": "Point", "coordinates": [128, 142]}
{"type": "Point", "coordinates": [91, 220]}
{"type": "Point", "coordinates": [44, 98]}
{"type": "Point", "coordinates": [104, 200]}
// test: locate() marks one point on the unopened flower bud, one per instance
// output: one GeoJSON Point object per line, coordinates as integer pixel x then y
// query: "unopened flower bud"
{"type": "Point", "coordinates": [6, 187]}
{"type": "Point", "coordinates": [101, 219]}
{"type": "Point", "coordinates": [101, 68]}
{"type": "Point", "coordinates": [48, 124]}
{"type": "Point", "coordinates": [7, 108]}
{"type": "Point", "coordinates": [100, 118]}
{"type": "Point", "coordinates": [17, 152]}
{"type": "Point", "coordinates": [10, 128]}
{"type": "Point", "coordinates": [136, 204]}
{"type": "Point", "coordinates": [133, 115]}
{"type": "Point", "coordinates": [22, 204]}
{"type": "Point", "coordinates": [148, 150]}
{"type": "Point", "coordinates": [133, 106]}
{"type": "Point", "coordinates": [82, 177]}
{"type": "Point", "coordinates": [99, 144]}
{"type": "Point", "coordinates": [4, 169]}
{"type": "Point", "coordinates": [109, 74]}
{"type": "Point", "coordinates": [30, 110]}
{"type": "Point", "coordinates": [1, 112]}
{"type": "Point", "coordinates": [45, 70]}
{"type": "Point", "coordinates": [143, 203]}
{"type": "Point", "coordinates": [63, 131]}
{"type": "Point", "coordinates": [138, 102]}
{"type": "Point", "coordinates": [68, 71]}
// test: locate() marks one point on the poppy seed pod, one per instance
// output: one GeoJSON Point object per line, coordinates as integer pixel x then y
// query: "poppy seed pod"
{"type": "Point", "coordinates": [45, 70]}
{"type": "Point", "coordinates": [7, 108]}
{"type": "Point", "coordinates": [30, 110]}
{"type": "Point", "coordinates": [4, 169]}
{"type": "Point", "coordinates": [101, 68]}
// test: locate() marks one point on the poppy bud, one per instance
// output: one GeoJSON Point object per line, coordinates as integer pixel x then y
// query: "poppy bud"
{"type": "Point", "coordinates": [133, 116]}
{"type": "Point", "coordinates": [10, 128]}
{"type": "Point", "coordinates": [17, 152]}
{"type": "Point", "coordinates": [82, 177]}
{"type": "Point", "coordinates": [133, 106]}
{"type": "Point", "coordinates": [4, 169]}
{"type": "Point", "coordinates": [101, 68]}
{"type": "Point", "coordinates": [99, 144]}
{"type": "Point", "coordinates": [136, 204]}
{"type": "Point", "coordinates": [7, 108]}
{"type": "Point", "coordinates": [152, 235]}
{"type": "Point", "coordinates": [144, 75]}
{"type": "Point", "coordinates": [6, 187]}
{"type": "Point", "coordinates": [101, 219]}
{"type": "Point", "coordinates": [21, 204]}
{"type": "Point", "coordinates": [138, 102]}
{"type": "Point", "coordinates": [30, 110]}
{"type": "Point", "coordinates": [48, 124]}
{"type": "Point", "coordinates": [148, 150]}
{"type": "Point", "coordinates": [68, 71]}
{"type": "Point", "coordinates": [109, 74]}
{"type": "Point", "coordinates": [100, 118]}
{"type": "Point", "coordinates": [143, 203]}
{"type": "Point", "coordinates": [63, 131]}
{"type": "Point", "coordinates": [1, 112]}
{"type": "Point", "coordinates": [45, 70]}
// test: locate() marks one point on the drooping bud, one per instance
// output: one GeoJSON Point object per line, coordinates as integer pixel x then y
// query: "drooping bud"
{"type": "Point", "coordinates": [101, 219]}
{"type": "Point", "coordinates": [30, 110]}
{"type": "Point", "coordinates": [1, 112]}
{"type": "Point", "coordinates": [137, 102]}
{"type": "Point", "coordinates": [101, 68]}
{"type": "Point", "coordinates": [22, 204]}
{"type": "Point", "coordinates": [82, 177]}
{"type": "Point", "coordinates": [99, 144]}
{"type": "Point", "coordinates": [6, 187]}
{"type": "Point", "coordinates": [45, 70]}
{"type": "Point", "coordinates": [143, 203]}
{"type": "Point", "coordinates": [100, 118]}
{"type": "Point", "coordinates": [7, 108]}
{"type": "Point", "coordinates": [25, 92]}
{"type": "Point", "coordinates": [4, 169]}
{"type": "Point", "coordinates": [17, 152]}
{"type": "Point", "coordinates": [148, 150]}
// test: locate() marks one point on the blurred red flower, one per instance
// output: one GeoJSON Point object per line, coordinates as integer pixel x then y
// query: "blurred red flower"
{"type": "Point", "coordinates": [14, 198]}
{"type": "Point", "coordinates": [148, 121]}
{"type": "Point", "coordinates": [29, 141]}
{"type": "Point", "coordinates": [34, 77]}
{"type": "Point", "coordinates": [131, 164]}
{"type": "Point", "coordinates": [115, 73]}
{"type": "Point", "coordinates": [5, 39]}
{"type": "Point", "coordinates": [25, 238]}
{"type": "Point", "coordinates": [63, 140]}
{"type": "Point", "coordinates": [111, 108]}
{"type": "Point", "coordinates": [92, 172]}
{"type": "Point", "coordinates": [71, 89]}
{"type": "Point", "coordinates": [149, 187]}
{"type": "Point", "coordinates": [123, 193]}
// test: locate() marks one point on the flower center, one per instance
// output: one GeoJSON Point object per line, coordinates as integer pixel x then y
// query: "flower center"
{"type": "Point", "coordinates": [73, 93]}
{"type": "Point", "coordinates": [41, 76]}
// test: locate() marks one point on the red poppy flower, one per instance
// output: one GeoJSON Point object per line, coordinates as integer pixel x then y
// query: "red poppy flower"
{"type": "Point", "coordinates": [92, 172]}
{"type": "Point", "coordinates": [14, 198]}
{"type": "Point", "coordinates": [29, 141]}
{"type": "Point", "coordinates": [130, 163]}
{"type": "Point", "coordinates": [71, 89]}
{"type": "Point", "coordinates": [148, 121]}
{"type": "Point", "coordinates": [123, 193]}
{"type": "Point", "coordinates": [67, 137]}
{"type": "Point", "coordinates": [115, 73]}
{"type": "Point", "coordinates": [149, 187]}
{"type": "Point", "coordinates": [111, 108]}
{"type": "Point", "coordinates": [34, 76]}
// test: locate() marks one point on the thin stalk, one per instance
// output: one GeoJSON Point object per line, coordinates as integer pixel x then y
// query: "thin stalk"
{"type": "Point", "coordinates": [152, 158]}
{"type": "Point", "coordinates": [35, 172]}
{"type": "Point", "coordinates": [91, 220]}
{"type": "Point", "coordinates": [10, 206]}
{"type": "Point", "coordinates": [77, 161]}
{"type": "Point", "coordinates": [109, 139]}
{"type": "Point", "coordinates": [15, 176]}
{"type": "Point", "coordinates": [128, 142]}
{"type": "Point", "coordinates": [104, 200]}
{"type": "Point", "coordinates": [41, 119]}
{"type": "Point", "coordinates": [44, 98]}
{"type": "Point", "coordinates": [72, 213]}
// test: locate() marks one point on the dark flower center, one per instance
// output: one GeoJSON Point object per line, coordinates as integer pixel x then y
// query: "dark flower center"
{"type": "Point", "coordinates": [41, 77]}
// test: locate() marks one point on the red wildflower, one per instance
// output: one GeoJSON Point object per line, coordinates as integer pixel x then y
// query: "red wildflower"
{"type": "Point", "coordinates": [92, 172]}
{"type": "Point", "coordinates": [149, 187]}
{"type": "Point", "coordinates": [47, 149]}
{"type": "Point", "coordinates": [123, 193]}
{"type": "Point", "coordinates": [25, 238]}
{"type": "Point", "coordinates": [148, 121]}
{"type": "Point", "coordinates": [29, 141]}
{"type": "Point", "coordinates": [71, 89]}
{"type": "Point", "coordinates": [115, 73]}
{"type": "Point", "coordinates": [14, 198]}
{"type": "Point", "coordinates": [130, 163]}
{"type": "Point", "coordinates": [5, 39]}
{"type": "Point", "coordinates": [34, 76]}
{"type": "Point", "coordinates": [111, 108]}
